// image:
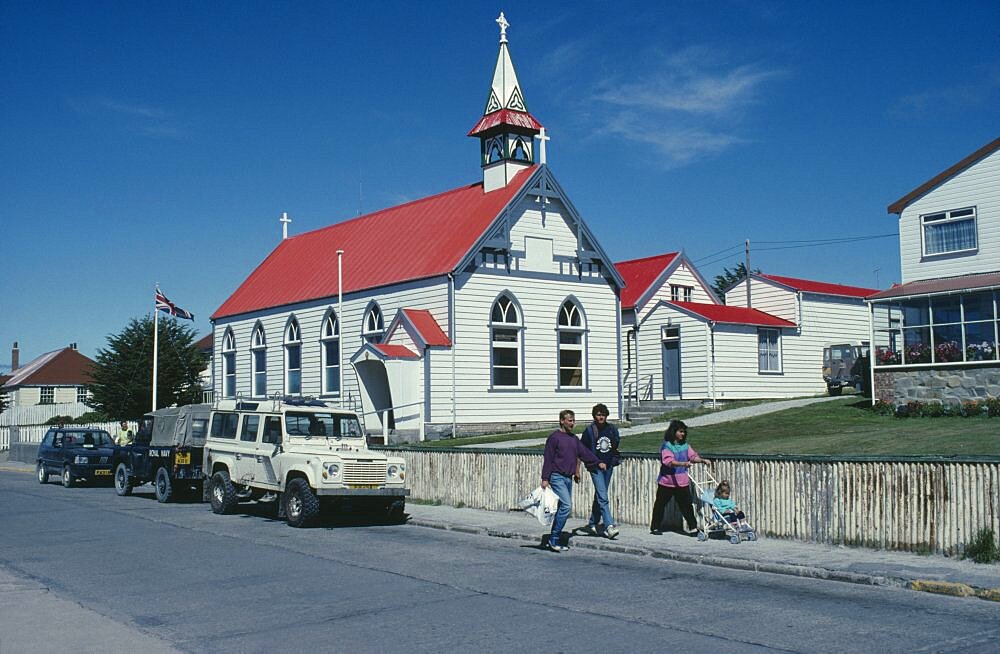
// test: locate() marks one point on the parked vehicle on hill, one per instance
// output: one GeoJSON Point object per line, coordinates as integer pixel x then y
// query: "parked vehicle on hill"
{"type": "Point", "coordinates": [77, 453]}
{"type": "Point", "coordinates": [167, 451]}
{"type": "Point", "coordinates": [301, 453]}
{"type": "Point", "coordinates": [839, 370]}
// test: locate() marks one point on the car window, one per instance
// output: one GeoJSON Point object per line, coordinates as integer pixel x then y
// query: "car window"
{"type": "Point", "coordinates": [322, 424]}
{"type": "Point", "coordinates": [250, 426]}
{"type": "Point", "coordinates": [224, 425]}
{"type": "Point", "coordinates": [272, 430]}
{"type": "Point", "coordinates": [57, 440]}
{"type": "Point", "coordinates": [47, 441]}
{"type": "Point", "coordinates": [199, 427]}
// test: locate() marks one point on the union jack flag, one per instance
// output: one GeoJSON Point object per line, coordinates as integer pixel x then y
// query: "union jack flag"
{"type": "Point", "coordinates": [163, 304]}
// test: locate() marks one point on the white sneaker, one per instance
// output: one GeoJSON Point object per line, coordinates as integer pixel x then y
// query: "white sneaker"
{"type": "Point", "coordinates": [611, 532]}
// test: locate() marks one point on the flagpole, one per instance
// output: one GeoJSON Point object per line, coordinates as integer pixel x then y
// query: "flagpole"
{"type": "Point", "coordinates": [156, 324]}
{"type": "Point", "coordinates": [340, 323]}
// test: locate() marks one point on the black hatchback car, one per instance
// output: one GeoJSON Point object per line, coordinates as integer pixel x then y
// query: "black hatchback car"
{"type": "Point", "coordinates": [75, 453]}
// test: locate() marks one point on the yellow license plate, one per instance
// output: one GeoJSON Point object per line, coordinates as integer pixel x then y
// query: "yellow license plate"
{"type": "Point", "coordinates": [182, 457]}
{"type": "Point", "coordinates": [363, 486]}
{"type": "Point", "coordinates": [101, 473]}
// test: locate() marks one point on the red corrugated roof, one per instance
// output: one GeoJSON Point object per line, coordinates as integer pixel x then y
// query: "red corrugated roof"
{"type": "Point", "coordinates": [427, 327]}
{"type": "Point", "coordinates": [821, 287]}
{"type": "Point", "coordinates": [639, 275]}
{"type": "Point", "coordinates": [395, 351]}
{"type": "Point", "coordinates": [733, 315]}
{"type": "Point", "coordinates": [505, 117]}
{"type": "Point", "coordinates": [416, 240]}
{"type": "Point", "coordinates": [59, 367]}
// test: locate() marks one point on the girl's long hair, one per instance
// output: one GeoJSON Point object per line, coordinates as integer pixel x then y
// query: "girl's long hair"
{"type": "Point", "coordinates": [672, 428]}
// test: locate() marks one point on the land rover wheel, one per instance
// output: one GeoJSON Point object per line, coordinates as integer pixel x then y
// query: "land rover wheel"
{"type": "Point", "coordinates": [123, 482]}
{"type": "Point", "coordinates": [43, 476]}
{"type": "Point", "coordinates": [396, 512]}
{"type": "Point", "coordinates": [164, 488]}
{"type": "Point", "coordinates": [835, 390]}
{"type": "Point", "coordinates": [67, 477]}
{"type": "Point", "coordinates": [222, 493]}
{"type": "Point", "coordinates": [301, 504]}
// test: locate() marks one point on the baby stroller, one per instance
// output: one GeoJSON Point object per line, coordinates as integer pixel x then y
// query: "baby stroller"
{"type": "Point", "coordinates": [716, 523]}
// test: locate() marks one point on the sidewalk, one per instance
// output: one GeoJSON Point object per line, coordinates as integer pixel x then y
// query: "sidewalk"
{"type": "Point", "coordinates": [935, 574]}
{"type": "Point", "coordinates": [725, 415]}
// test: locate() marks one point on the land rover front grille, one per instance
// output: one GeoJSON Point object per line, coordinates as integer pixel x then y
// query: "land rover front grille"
{"type": "Point", "coordinates": [364, 472]}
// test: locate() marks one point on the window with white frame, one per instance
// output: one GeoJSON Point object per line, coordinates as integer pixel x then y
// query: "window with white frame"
{"type": "Point", "coordinates": [946, 328]}
{"type": "Point", "coordinates": [681, 293]}
{"type": "Point", "coordinates": [505, 337]}
{"type": "Point", "coordinates": [293, 358]}
{"type": "Point", "coordinates": [571, 333]}
{"type": "Point", "coordinates": [81, 394]}
{"type": "Point", "coordinates": [330, 343]}
{"type": "Point", "coordinates": [373, 327]}
{"type": "Point", "coordinates": [47, 395]}
{"type": "Point", "coordinates": [258, 357]}
{"type": "Point", "coordinates": [229, 364]}
{"type": "Point", "coordinates": [768, 350]}
{"type": "Point", "coordinates": [949, 231]}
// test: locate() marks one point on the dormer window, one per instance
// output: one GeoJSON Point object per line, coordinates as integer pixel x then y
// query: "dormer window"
{"type": "Point", "coordinates": [949, 232]}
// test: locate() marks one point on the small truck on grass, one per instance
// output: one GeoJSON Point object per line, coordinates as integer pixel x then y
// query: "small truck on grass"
{"type": "Point", "coordinates": [839, 370]}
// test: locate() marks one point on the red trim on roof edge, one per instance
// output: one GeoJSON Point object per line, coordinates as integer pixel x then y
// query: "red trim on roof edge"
{"type": "Point", "coordinates": [639, 275]}
{"type": "Point", "coordinates": [825, 288]}
{"type": "Point", "coordinates": [733, 315]}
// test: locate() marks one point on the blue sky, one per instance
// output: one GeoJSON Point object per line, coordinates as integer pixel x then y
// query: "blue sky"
{"type": "Point", "coordinates": [148, 142]}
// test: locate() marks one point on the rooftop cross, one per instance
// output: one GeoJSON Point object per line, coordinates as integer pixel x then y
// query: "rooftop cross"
{"type": "Point", "coordinates": [502, 22]}
{"type": "Point", "coordinates": [542, 138]}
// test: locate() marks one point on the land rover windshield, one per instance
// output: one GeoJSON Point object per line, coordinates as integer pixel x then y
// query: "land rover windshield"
{"type": "Point", "coordinates": [322, 425]}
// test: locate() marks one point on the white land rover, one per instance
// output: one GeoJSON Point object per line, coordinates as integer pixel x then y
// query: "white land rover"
{"type": "Point", "coordinates": [301, 453]}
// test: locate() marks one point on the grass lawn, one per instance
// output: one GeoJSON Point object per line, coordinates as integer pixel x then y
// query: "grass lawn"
{"type": "Point", "coordinates": [842, 427]}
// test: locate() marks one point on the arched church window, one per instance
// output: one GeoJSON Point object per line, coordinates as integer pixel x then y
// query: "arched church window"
{"type": "Point", "coordinates": [521, 152]}
{"type": "Point", "coordinates": [373, 327]}
{"type": "Point", "coordinates": [258, 359]}
{"type": "Point", "coordinates": [494, 149]}
{"type": "Point", "coordinates": [229, 364]}
{"type": "Point", "coordinates": [505, 338]}
{"type": "Point", "coordinates": [293, 358]}
{"type": "Point", "coordinates": [571, 332]}
{"type": "Point", "coordinates": [330, 340]}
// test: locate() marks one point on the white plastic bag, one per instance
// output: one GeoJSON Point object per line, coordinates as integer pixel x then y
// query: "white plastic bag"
{"type": "Point", "coordinates": [541, 503]}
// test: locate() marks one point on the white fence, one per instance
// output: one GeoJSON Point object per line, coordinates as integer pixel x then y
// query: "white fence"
{"type": "Point", "coordinates": [915, 504]}
{"type": "Point", "coordinates": [35, 433]}
{"type": "Point", "coordinates": [39, 414]}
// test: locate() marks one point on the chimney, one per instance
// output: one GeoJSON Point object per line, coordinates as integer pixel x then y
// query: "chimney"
{"type": "Point", "coordinates": [72, 346]}
{"type": "Point", "coordinates": [15, 357]}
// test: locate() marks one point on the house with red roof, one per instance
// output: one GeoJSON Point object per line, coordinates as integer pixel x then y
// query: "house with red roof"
{"type": "Point", "coordinates": [942, 323]}
{"type": "Point", "coordinates": [488, 305]}
{"type": "Point", "coordinates": [681, 342]}
{"type": "Point", "coordinates": [58, 377]}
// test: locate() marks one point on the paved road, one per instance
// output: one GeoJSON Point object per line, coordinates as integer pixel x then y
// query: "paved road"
{"type": "Point", "coordinates": [726, 415]}
{"type": "Point", "coordinates": [137, 575]}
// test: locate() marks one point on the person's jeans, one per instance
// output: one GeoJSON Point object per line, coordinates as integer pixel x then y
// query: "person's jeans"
{"type": "Point", "coordinates": [562, 486]}
{"type": "Point", "coordinates": [601, 508]}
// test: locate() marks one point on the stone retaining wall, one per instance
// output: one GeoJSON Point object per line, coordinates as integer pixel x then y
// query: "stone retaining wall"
{"type": "Point", "coordinates": [946, 384]}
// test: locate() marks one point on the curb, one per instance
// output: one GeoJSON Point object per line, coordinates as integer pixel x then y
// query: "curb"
{"type": "Point", "coordinates": [953, 589]}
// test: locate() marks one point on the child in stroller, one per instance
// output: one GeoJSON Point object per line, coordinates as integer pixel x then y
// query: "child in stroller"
{"type": "Point", "coordinates": [722, 516]}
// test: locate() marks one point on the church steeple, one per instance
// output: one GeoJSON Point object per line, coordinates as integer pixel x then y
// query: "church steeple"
{"type": "Point", "coordinates": [506, 131]}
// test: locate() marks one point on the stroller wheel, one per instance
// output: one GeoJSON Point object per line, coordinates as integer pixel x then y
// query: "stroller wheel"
{"type": "Point", "coordinates": [751, 535]}
{"type": "Point", "coordinates": [702, 537]}
{"type": "Point", "coordinates": [734, 539]}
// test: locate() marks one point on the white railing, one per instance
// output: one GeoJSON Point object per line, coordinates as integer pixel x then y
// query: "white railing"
{"type": "Point", "coordinates": [383, 416]}
{"type": "Point", "coordinates": [639, 391]}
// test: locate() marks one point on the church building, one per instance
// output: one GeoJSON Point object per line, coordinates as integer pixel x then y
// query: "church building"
{"type": "Point", "coordinates": [506, 313]}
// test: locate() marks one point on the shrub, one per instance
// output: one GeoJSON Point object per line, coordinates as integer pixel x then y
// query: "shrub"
{"type": "Point", "coordinates": [933, 410]}
{"type": "Point", "coordinates": [60, 420]}
{"type": "Point", "coordinates": [983, 548]}
{"type": "Point", "coordinates": [993, 407]}
{"type": "Point", "coordinates": [91, 416]}
{"type": "Point", "coordinates": [883, 408]}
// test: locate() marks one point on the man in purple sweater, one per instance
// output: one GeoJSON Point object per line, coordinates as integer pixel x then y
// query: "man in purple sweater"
{"type": "Point", "coordinates": [559, 466]}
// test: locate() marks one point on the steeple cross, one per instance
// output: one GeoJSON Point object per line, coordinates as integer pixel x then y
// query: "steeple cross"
{"type": "Point", "coordinates": [542, 138]}
{"type": "Point", "coordinates": [502, 22]}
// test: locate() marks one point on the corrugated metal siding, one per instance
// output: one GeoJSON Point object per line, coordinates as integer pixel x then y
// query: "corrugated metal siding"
{"type": "Point", "coordinates": [911, 505]}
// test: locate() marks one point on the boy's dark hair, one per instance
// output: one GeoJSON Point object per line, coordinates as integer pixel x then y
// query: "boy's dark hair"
{"type": "Point", "coordinates": [723, 485]}
{"type": "Point", "coordinates": [566, 412]}
{"type": "Point", "coordinates": [672, 429]}
{"type": "Point", "coordinates": [600, 408]}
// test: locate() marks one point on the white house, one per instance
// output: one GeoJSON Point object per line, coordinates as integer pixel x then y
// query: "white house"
{"type": "Point", "coordinates": [485, 306]}
{"type": "Point", "coordinates": [941, 322]}
{"type": "Point", "coordinates": [681, 342]}
{"type": "Point", "coordinates": [56, 379]}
